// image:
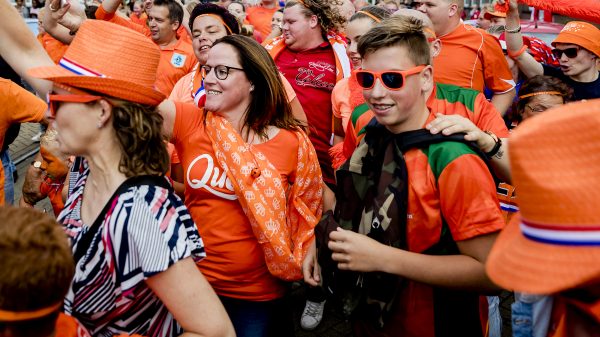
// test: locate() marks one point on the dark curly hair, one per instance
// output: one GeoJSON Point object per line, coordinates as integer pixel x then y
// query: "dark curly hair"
{"type": "Point", "coordinates": [209, 8]}
{"type": "Point", "coordinates": [138, 128]}
{"type": "Point", "coordinates": [327, 11]}
{"type": "Point", "coordinates": [538, 84]}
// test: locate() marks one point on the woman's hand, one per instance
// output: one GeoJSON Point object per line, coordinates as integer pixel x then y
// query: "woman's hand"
{"type": "Point", "coordinates": [513, 6]}
{"type": "Point", "coordinates": [353, 251]}
{"type": "Point", "coordinates": [310, 266]}
{"type": "Point", "coordinates": [451, 124]}
{"type": "Point", "coordinates": [67, 15]}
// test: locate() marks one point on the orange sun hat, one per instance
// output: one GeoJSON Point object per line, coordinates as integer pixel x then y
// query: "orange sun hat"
{"type": "Point", "coordinates": [582, 34]}
{"type": "Point", "coordinates": [108, 59]}
{"type": "Point", "coordinates": [554, 244]}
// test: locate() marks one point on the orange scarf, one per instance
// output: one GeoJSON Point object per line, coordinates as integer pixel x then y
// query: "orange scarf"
{"type": "Point", "coordinates": [284, 229]}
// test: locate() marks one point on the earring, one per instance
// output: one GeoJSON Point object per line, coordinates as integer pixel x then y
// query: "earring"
{"type": "Point", "coordinates": [100, 125]}
{"type": "Point", "coordinates": [252, 87]}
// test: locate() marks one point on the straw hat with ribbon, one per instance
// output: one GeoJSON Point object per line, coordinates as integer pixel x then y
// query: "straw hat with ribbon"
{"type": "Point", "coordinates": [111, 60]}
{"type": "Point", "coordinates": [555, 243]}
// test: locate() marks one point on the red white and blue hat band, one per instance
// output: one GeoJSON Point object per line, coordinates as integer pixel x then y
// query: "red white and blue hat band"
{"type": "Point", "coordinates": [78, 69]}
{"type": "Point", "coordinates": [571, 235]}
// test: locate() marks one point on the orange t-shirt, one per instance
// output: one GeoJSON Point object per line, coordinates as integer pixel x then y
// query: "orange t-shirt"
{"type": "Point", "coordinates": [17, 105]}
{"type": "Point", "coordinates": [175, 62]}
{"type": "Point", "coordinates": [140, 20]}
{"type": "Point", "coordinates": [54, 48]}
{"type": "Point", "coordinates": [234, 265]}
{"type": "Point", "coordinates": [472, 58]}
{"type": "Point", "coordinates": [260, 18]}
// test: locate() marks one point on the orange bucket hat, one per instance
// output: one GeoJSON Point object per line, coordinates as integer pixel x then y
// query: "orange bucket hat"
{"type": "Point", "coordinates": [555, 243]}
{"type": "Point", "coordinates": [108, 59]}
{"type": "Point", "coordinates": [582, 34]}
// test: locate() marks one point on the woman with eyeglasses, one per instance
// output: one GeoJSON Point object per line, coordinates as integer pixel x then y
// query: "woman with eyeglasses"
{"type": "Point", "coordinates": [133, 241]}
{"type": "Point", "coordinates": [576, 47]}
{"type": "Point", "coordinates": [539, 94]}
{"type": "Point", "coordinates": [253, 184]}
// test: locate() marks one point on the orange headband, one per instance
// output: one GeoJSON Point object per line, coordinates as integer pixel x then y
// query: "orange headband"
{"type": "Point", "coordinates": [541, 93]}
{"type": "Point", "coordinates": [16, 316]}
{"type": "Point", "coordinates": [220, 19]}
{"type": "Point", "coordinates": [430, 31]}
{"type": "Point", "coordinates": [376, 19]}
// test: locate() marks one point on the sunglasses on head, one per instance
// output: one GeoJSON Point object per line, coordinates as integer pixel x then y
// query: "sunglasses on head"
{"type": "Point", "coordinates": [569, 52]}
{"type": "Point", "coordinates": [391, 79]}
{"type": "Point", "coordinates": [54, 100]}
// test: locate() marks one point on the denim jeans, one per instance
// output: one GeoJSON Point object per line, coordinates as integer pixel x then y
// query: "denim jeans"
{"type": "Point", "coordinates": [260, 319]}
{"type": "Point", "coordinates": [494, 318]}
{"type": "Point", "coordinates": [9, 183]}
{"type": "Point", "coordinates": [531, 315]}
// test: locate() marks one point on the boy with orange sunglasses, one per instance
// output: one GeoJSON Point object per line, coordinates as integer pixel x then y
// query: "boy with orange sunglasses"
{"type": "Point", "coordinates": [428, 214]}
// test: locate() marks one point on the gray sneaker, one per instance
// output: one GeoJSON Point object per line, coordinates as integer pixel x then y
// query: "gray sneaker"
{"type": "Point", "coordinates": [312, 315]}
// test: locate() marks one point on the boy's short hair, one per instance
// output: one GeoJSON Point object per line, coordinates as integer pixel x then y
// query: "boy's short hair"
{"type": "Point", "coordinates": [394, 31]}
{"type": "Point", "coordinates": [37, 265]}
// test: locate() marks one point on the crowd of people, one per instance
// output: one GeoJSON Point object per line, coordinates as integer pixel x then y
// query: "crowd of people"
{"type": "Point", "coordinates": [201, 157]}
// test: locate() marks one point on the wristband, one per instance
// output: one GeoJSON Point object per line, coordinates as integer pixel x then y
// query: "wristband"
{"type": "Point", "coordinates": [514, 55]}
{"type": "Point", "coordinates": [496, 147]}
{"type": "Point", "coordinates": [513, 31]}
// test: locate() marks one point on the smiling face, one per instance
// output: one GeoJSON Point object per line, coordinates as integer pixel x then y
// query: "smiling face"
{"type": "Point", "coordinates": [229, 97]}
{"type": "Point", "coordinates": [237, 10]}
{"type": "Point", "coordinates": [162, 30]}
{"type": "Point", "coordinates": [276, 19]}
{"type": "Point", "coordinates": [206, 30]}
{"type": "Point", "coordinates": [354, 31]}
{"type": "Point", "coordinates": [398, 110]}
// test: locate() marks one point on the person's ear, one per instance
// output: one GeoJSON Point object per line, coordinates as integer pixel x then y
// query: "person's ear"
{"type": "Point", "coordinates": [105, 113]}
{"type": "Point", "coordinates": [453, 10]}
{"type": "Point", "coordinates": [436, 48]}
{"type": "Point", "coordinates": [313, 21]}
{"type": "Point", "coordinates": [427, 79]}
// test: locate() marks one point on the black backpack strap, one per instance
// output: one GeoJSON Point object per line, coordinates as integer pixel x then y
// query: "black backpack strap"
{"type": "Point", "coordinates": [86, 239]}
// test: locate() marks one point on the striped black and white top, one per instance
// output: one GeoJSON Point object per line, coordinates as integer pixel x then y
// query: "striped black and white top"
{"type": "Point", "coordinates": [146, 231]}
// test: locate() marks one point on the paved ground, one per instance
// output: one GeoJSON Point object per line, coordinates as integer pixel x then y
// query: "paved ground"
{"type": "Point", "coordinates": [333, 324]}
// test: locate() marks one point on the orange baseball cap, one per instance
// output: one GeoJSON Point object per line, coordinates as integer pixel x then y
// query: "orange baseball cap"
{"type": "Point", "coordinates": [498, 11]}
{"type": "Point", "coordinates": [582, 34]}
{"type": "Point", "coordinates": [108, 59]}
{"type": "Point", "coordinates": [554, 243]}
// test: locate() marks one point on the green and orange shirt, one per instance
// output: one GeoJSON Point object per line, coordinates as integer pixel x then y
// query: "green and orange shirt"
{"type": "Point", "coordinates": [451, 194]}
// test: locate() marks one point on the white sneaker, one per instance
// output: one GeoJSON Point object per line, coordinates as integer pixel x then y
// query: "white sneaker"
{"type": "Point", "coordinates": [312, 315]}
{"type": "Point", "coordinates": [36, 138]}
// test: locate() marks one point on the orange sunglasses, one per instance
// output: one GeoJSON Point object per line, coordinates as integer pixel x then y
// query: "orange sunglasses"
{"type": "Point", "coordinates": [391, 79]}
{"type": "Point", "coordinates": [53, 100]}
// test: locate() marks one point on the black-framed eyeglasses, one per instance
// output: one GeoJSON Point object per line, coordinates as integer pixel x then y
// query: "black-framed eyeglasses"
{"type": "Point", "coordinates": [570, 52]}
{"type": "Point", "coordinates": [221, 71]}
